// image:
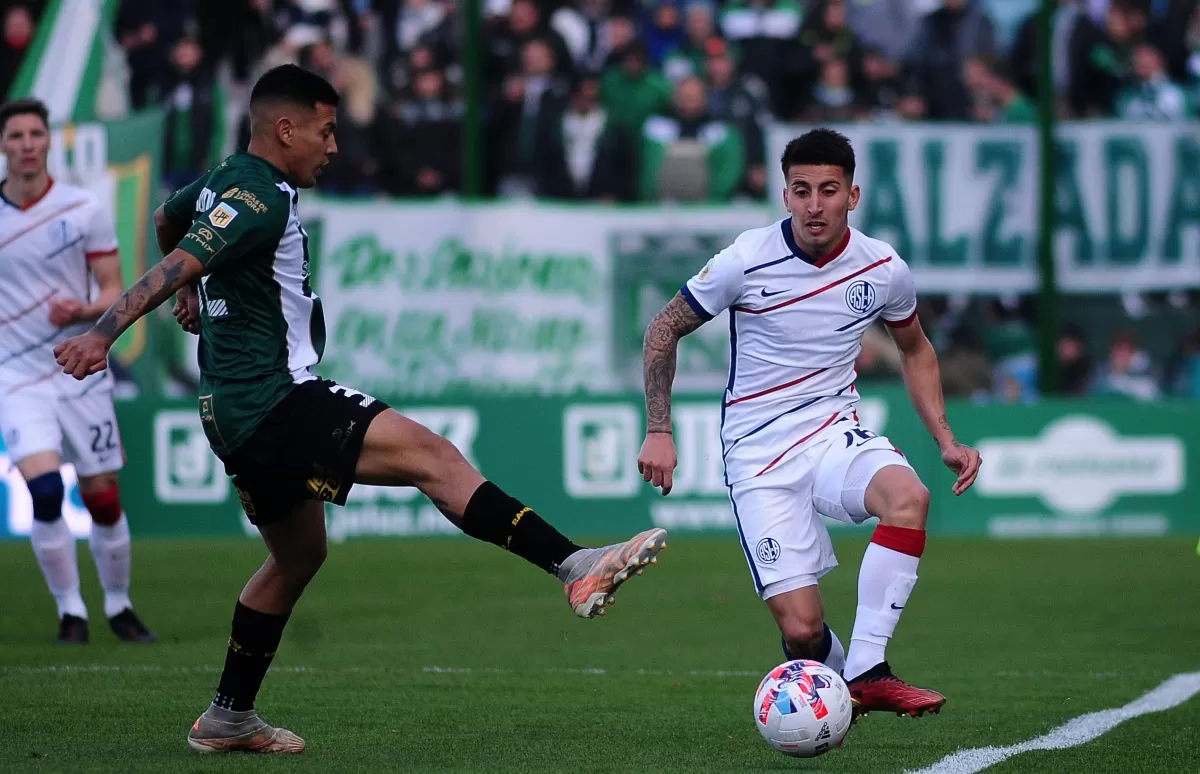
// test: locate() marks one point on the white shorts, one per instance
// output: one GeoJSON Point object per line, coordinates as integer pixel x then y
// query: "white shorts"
{"type": "Point", "coordinates": [787, 545]}
{"type": "Point", "coordinates": [81, 430]}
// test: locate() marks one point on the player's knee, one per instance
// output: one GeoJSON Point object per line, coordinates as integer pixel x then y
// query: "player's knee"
{"type": "Point", "coordinates": [46, 491]}
{"type": "Point", "coordinates": [804, 635]}
{"type": "Point", "coordinates": [102, 498]}
{"type": "Point", "coordinates": [907, 506]}
{"type": "Point", "coordinates": [302, 565]}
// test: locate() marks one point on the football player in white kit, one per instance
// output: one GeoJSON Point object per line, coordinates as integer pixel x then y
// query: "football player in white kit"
{"type": "Point", "coordinates": [799, 294]}
{"type": "Point", "coordinates": [55, 240]}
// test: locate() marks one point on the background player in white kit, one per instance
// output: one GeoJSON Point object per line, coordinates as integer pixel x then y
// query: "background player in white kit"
{"type": "Point", "coordinates": [56, 243]}
{"type": "Point", "coordinates": [800, 293]}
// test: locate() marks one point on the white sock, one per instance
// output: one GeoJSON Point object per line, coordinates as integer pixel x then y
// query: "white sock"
{"type": "Point", "coordinates": [836, 660]}
{"type": "Point", "coordinates": [54, 547]}
{"type": "Point", "coordinates": [110, 549]}
{"type": "Point", "coordinates": [885, 581]}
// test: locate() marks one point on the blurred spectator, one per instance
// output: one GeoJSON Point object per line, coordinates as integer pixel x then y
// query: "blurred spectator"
{"type": "Point", "coordinates": [740, 100]}
{"type": "Point", "coordinates": [826, 36]}
{"type": "Point", "coordinates": [878, 358]}
{"type": "Point", "coordinates": [763, 30]}
{"type": "Point", "coordinates": [687, 155]}
{"type": "Point", "coordinates": [506, 42]}
{"type": "Point", "coordinates": [833, 98]}
{"type": "Point", "coordinates": [966, 372]}
{"type": "Point", "coordinates": [994, 98]}
{"type": "Point", "coordinates": [688, 56]}
{"type": "Point", "coordinates": [533, 96]}
{"type": "Point", "coordinates": [948, 37]}
{"type": "Point", "coordinates": [194, 119]}
{"type": "Point", "coordinates": [1175, 31]}
{"type": "Point", "coordinates": [664, 31]}
{"type": "Point", "coordinates": [421, 139]}
{"type": "Point", "coordinates": [240, 30]}
{"type": "Point", "coordinates": [1183, 374]}
{"type": "Point", "coordinates": [1151, 96]}
{"type": "Point", "coordinates": [1075, 367]}
{"type": "Point", "coordinates": [18, 35]}
{"type": "Point", "coordinates": [1009, 342]}
{"type": "Point", "coordinates": [881, 92]}
{"type": "Point", "coordinates": [1127, 372]}
{"type": "Point", "coordinates": [591, 33]}
{"type": "Point", "coordinates": [352, 171]}
{"type": "Point", "coordinates": [631, 91]}
{"type": "Point", "coordinates": [411, 24]}
{"type": "Point", "coordinates": [148, 31]}
{"type": "Point", "coordinates": [889, 26]}
{"type": "Point", "coordinates": [582, 153]}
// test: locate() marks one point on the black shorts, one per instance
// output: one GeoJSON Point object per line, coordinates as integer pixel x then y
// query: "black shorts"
{"type": "Point", "coordinates": [306, 448]}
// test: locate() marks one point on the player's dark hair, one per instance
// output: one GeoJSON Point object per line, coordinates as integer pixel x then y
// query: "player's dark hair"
{"type": "Point", "coordinates": [292, 83]}
{"type": "Point", "coordinates": [23, 107]}
{"type": "Point", "coordinates": [819, 148]}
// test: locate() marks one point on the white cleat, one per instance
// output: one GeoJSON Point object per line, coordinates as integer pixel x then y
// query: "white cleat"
{"type": "Point", "coordinates": [593, 575]}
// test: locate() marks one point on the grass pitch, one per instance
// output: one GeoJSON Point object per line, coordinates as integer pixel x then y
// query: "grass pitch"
{"type": "Point", "coordinates": [448, 655]}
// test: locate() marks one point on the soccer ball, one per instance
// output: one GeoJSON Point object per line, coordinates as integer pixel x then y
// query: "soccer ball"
{"type": "Point", "coordinates": [802, 708]}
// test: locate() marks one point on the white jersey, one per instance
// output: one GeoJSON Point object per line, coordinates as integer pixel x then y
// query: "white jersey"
{"type": "Point", "coordinates": [795, 331]}
{"type": "Point", "coordinates": [45, 247]}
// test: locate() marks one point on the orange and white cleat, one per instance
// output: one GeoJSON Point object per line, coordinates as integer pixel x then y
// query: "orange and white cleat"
{"type": "Point", "coordinates": [591, 577]}
{"type": "Point", "coordinates": [878, 690]}
{"type": "Point", "coordinates": [223, 731]}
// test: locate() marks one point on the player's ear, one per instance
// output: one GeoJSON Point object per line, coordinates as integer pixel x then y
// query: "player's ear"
{"type": "Point", "coordinates": [786, 204]}
{"type": "Point", "coordinates": [285, 130]}
{"type": "Point", "coordinates": [854, 194]}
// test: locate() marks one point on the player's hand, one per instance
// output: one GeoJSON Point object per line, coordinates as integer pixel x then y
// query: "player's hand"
{"type": "Point", "coordinates": [64, 311]}
{"type": "Point", "coordinates": [964, 461]}
{"type": "Point", "coordinates": [657, 461]}
{"type": "Point", "coordinates": [187, 309]}
{"type": "Point", "coordinates": [81, 356]}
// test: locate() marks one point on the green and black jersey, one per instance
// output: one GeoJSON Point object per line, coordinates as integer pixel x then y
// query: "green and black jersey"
{"type": "Point", "coordinates": [261, 326]}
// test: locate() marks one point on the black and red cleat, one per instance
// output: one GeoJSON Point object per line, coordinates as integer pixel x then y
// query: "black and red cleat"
{"type": "Point", "coordinates": [878, 690]}
{"type": "Point", "coordinates": [129, 628]}
{"type": "Point", "coordinates": [72, 630]}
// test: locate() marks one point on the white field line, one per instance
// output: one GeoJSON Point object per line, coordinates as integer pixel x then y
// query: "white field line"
{"type": "Point", "coordinates": [1175, 691]}
{"type": "Point", "coordinates": [69, 669]}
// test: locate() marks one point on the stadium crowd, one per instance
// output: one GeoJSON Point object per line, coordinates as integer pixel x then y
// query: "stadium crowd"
{"type": "Point", "coordinates": [592, 99]}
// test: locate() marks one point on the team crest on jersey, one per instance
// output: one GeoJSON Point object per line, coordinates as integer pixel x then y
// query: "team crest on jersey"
{"type": "Point", "coordinates": [767, 550]}
{"type": "Point", "coordinates": [704, 272]}
{"type": "Point", "coordinates": [860, 297]}
{"type": "Point", "coordinates": [222, 215]}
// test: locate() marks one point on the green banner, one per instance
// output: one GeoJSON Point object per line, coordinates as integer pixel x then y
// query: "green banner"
{"type": "Point", "coordinates": [1056, 469]}
{"type": "Point", "coordinates": [959, 203]}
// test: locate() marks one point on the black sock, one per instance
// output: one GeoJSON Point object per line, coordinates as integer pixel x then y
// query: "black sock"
{"type": "Point", "coordinates": [494, 517]}
{"type": "Point", "coordinates": [252, 645]}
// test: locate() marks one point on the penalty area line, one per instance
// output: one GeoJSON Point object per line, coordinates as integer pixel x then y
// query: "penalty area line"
{"type": "Point", "coordinates": [1174, 691]}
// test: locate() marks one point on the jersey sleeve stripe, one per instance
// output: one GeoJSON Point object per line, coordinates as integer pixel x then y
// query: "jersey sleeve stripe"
{"type": "Point", "coordinates": [696, 306]}
{"type": "Point", "coordinates": [775, 461]}
{"type": "Point", "coordinates": [852, 323]}
{"type": "Point", "coordinates": [907, 321]}
{"type": "Point", "coordinates": [93, 255]}
{"type": "Point", "coordinates": [776, 388]}
{"type": "Point", "coordinates": [816, 292]}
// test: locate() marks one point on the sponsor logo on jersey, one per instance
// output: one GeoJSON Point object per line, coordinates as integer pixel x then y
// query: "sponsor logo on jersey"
{"type": "Point", "coordinates": [247, 198]}
{"type": "Point", "coordinates": [767, 550]}
{"type": "Point", "coordinates": [324, 484]}
{"type": "Point", "coordinates": [704, 272]}
{"type": "Point", "coordinates": [860, 297]}
{"type": "Point", "coordinates": [209, 241]}
{"type": "Point", "coordinates": [205, 200]}
{"type": "Point", "coordinates": [222, 215]}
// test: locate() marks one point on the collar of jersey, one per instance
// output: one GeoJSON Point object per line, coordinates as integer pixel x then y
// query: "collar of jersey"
{"type": "Point", "coordinates": [276, 171]}
{"type": "Point", "coordinates": [31, 202]}
{"type": "Point", "coordinates": [790, 240]}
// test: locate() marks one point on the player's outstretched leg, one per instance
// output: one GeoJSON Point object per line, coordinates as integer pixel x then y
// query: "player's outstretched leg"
{"type": "Point", "coordinates": [885, 581]}
{"type": "Point", "coordinates": [54, 545]}
{"type": "Point", "coordinates": [110, 545]}
{"type": "Point", "coordinates": [399, 452]}
{"type": "Point", "coordinates": [298, 548]}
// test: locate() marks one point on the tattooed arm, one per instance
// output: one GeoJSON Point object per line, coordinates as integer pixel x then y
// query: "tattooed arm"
{"type": "Point", "coordinates": [657, 460]}
{"type": "Point", "coordinates": [923, 379]}
{"type": "Point", "coordinates": [659, 350]}
{"type": "Point", "coordinates": [88, 354]}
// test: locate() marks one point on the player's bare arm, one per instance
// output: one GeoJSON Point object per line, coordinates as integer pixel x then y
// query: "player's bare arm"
{"type": "Point", "coordinates": [88, 354]}
{"type": "Point", "coordinates": [169, 233]}
{"type": "Point", "coordinates": [659, 351]}
{"type": "Point", "coordinates": [106, 270]}
{"type": "Point", "coordinates": [923, 379]}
